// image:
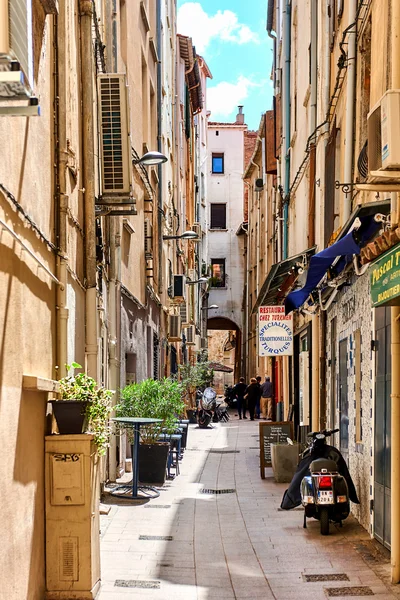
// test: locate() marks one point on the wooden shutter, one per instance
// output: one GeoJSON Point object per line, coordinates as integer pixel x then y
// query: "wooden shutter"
{"type": "Point", "coordinates": [270, 143]}
{"type": "Point", "coordinates": [330, 171]}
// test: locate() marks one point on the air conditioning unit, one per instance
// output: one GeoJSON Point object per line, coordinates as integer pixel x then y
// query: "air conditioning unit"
{"type": "Point", "coordinates": [179, 288]}
{"type": "Point", "coordinates": [259, 185]}
{"type": "Point", "coordinates": [174, 329]}
{"type": "Point", "coordinates": [197, 229]}
{"type": "Point", "coordinates": [384, 138]}
{"type": "Point", "coordinates": [190, 336]}
{"type": "Point", "coordinates": [115, 149]}
{"type": "Point", "coordinates": [16, 50]}
{"type": "Point", "coordinates": [148, 239]}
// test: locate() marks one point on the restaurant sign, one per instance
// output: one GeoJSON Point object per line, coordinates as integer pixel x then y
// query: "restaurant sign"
{"type": "Point", "coordinates": [275, 331]}
{"type": "Point", "coordinates": [385, 279]}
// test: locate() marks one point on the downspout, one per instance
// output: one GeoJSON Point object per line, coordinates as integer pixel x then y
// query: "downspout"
{"type": "Point", "coordinates": [159, 148]}
{"type": "Point", "coordinates": [395, 349]}
{"type": "Point", "coordinates": [286, 122]}
{"type": "Point", "coordinates": [60, 131]}
{"type": "Point", "coordinates": [88, 171]}
{"type": "Point", "coordinates": [350, 108]}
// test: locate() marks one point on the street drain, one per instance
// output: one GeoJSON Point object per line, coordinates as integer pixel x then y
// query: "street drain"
{"type": "Point", "coordinates": [153, 538]}
{"type": "Point", "coordinates": [330, 577]}
{"type": "Point", "coordinates": [208, 491]}
{"type": "Point", "coordinates": [136, 583]}
{"type": "Point", "coordinates": [224, 451]}
{"type": "Point", "coordinates": [170, 565]}
{"type": "Point", "coordinates": [157, 506]}
{"type": "Point", "coordinates": [253, 448]}
{"type": "Point", "coordinates": [350, 591]}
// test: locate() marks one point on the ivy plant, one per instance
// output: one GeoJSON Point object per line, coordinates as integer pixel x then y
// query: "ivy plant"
{"type": "Point", "coordinates": [83, 388]}
{"type": "Point", "coordinates": [157, 399]}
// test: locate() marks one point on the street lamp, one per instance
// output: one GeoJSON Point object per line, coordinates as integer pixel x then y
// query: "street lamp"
{"type": "Point", "coordinates": [186, 235]}
{"type": "Point", "coordinates": [150, 158]}
{"type": "Point", "coordinates": [201, 280]}
{"type": "Point", "coordinates": [210, 307]}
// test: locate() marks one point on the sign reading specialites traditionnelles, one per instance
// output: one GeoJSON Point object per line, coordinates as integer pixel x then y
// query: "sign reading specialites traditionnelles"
{"type": "Point", "coordinates": [275, 331]}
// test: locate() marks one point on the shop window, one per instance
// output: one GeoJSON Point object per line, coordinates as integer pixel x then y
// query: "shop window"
{"type": "Point", "coordinates": [218, 216]}
{"type": "Point", "coordinates": [218, 163]}
{"type": "Point", "coordinates": [218, 276]}
{"type": "Point", "coordinates": [357, 369]}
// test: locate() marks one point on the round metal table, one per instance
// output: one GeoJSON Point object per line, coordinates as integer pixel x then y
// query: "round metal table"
{"type": "Point", "coordinates": [148, 492]}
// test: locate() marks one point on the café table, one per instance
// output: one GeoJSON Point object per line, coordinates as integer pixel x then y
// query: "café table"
{"type": "Point", "coordinates": [148, 492]}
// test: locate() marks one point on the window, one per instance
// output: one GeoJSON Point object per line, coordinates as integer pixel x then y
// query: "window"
{"type": "Point", "coordinates": [217, 272]}
{"type": "Point", "coordinates": [218, 216]}
{"type": "Point", "coordinates": [217, 163]}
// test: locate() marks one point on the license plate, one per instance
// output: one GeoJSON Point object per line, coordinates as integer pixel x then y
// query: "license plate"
{"type": "Point", "coordinates": [325, 497]}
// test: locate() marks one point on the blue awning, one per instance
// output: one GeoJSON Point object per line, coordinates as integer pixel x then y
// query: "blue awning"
{"type": "Point", "coordinates": [320, 263]}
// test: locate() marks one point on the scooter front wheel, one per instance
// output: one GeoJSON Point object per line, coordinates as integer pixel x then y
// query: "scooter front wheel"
{"type": "Point", "coordinates": [324, 521]}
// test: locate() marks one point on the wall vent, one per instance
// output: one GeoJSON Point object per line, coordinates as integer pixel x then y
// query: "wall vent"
{"type": "Point", "coordinates": [68, 558]}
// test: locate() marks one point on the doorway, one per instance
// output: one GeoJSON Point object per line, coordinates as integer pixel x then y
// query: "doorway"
{"type": "Point", "coordinates": [343, 401]}
{"type": "Point", "coordinates": [382, 483]}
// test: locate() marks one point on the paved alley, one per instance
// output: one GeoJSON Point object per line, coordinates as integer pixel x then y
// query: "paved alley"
{"type": "Point", "coordinates": [192, 545]}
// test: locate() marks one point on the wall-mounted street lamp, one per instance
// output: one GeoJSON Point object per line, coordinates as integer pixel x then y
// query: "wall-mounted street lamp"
{"type": "Point", "coordinates": [186, 235]}
{"type": "Point", "coordinates": [201, 280]}
{"type": "Point", "coordinates": [210, 307]}
{"type": "Point", "coordinates": [150, 158]}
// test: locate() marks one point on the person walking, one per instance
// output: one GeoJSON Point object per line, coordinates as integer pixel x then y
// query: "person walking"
{"type": "Point", "coordinates": [238, 392]}
{"type": "Point", "coordinates": [266, 399]}
{"type": "Point", "coordinates": [258, 403]}
{"type": "Point", "coordinates": [252, 393]}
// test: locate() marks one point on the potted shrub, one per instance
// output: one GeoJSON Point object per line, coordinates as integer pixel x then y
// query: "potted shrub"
{"type": "Point", "coordinates": [193, 377]}
{"type": "Point", "coordinates": [158, 399]}
{"type": "Point", "coordinates": [83, 407]}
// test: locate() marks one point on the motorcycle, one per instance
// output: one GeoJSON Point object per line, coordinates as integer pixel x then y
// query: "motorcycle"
{"type": "Point", "coordinates": [322, 483]}
{"type": "Point", "coordinates": [209, 409]}
{"type": "Point", "coordinates": [230, 398]}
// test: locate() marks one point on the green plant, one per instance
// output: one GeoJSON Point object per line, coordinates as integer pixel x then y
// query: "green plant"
{"type": "Point", "coordinates": [195, 376]}
{"type": "Point", "coordinates": [157, 399]}
{"type": "Point", "coordinates": [83, 388]}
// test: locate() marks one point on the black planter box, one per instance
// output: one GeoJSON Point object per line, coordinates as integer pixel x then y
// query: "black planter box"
{"type": "Point", "coordinates": [70, 416]}
{"type": "Point", "coordinates": [153, 462]}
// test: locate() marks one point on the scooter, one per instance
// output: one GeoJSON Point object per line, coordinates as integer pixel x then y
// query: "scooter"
{"type": "Point", "coordinates": [322, 483]}
{"type": "Point", "coordinates": [230, 398]}
{"type": "Point", "coordinates": [208, 409]}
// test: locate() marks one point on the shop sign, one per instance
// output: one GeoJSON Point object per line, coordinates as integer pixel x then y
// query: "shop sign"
{"type": "Point", "coordinates": [275, 331]}
{"type": "Point", "coordinates": [385, 279]}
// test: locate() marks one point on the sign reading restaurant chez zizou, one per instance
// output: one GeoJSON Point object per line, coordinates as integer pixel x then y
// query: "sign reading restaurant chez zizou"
{"type": "Point", "coordinates": [275, 331]}
{"type": "Point", "coordinates": [385, 279]}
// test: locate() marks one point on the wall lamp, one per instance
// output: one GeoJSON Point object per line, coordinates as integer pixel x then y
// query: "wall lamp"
{"type": "Point", "coordinates": [150, 158]}
{"type": "Point", "coordinates": [186, 235]}
{"type": "Point", "coordinates": [210, 307]}
{"type": "Point", "coordinates": [201, 280]}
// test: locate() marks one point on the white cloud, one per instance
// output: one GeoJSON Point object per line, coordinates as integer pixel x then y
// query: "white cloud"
{"type": "Point", "coordinates": [202, 28]}
{"type": "Point", "coordinates": [224, 98]}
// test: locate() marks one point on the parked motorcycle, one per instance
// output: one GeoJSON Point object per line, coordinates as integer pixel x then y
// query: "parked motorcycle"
{"type": "Point", "coordinates": [322, 483]}
{"type": "Point", "coordinates": [209, 409]}
{"type": "Point", "coordinates": [230, 398]}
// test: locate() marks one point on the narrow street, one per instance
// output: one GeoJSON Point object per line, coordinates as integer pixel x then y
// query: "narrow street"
{"type": "Point", "coordinates": [232, 545]}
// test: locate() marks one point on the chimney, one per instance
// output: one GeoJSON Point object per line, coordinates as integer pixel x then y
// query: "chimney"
{"type": "Point", "coordinates": [240, 116]}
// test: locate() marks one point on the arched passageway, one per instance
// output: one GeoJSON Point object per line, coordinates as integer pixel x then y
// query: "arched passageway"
{"type": "Point", "coordinates": [225, 347]}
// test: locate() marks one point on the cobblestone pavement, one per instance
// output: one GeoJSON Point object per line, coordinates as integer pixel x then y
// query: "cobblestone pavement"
{"type": "Point", "coordinates": [236, 545]}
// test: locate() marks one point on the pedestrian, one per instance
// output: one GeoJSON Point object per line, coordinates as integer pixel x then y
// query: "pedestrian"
{"type": "Point", "coordinates": [252, 393]}
{"type": "Point", "coordinates": [266, 399]}
{"type": "Point", "coordinates": [258, 403]}
{"type": "Point", "coordinates": [238, 392]}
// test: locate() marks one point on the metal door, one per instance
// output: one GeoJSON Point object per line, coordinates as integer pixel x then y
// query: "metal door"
{"type": "Point", "coordinates": [343, 401]}
{"type": "Point", "coordinates": [382, 427]}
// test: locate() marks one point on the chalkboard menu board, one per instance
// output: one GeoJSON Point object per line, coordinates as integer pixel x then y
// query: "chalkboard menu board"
{"type": "Point", "coordinates": [272, 433]}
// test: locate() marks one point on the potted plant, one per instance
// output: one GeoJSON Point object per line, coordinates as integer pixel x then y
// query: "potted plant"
{"type": "Point", "coordinates": [83, 407]}
{"type": "Point", "coordinates": [193, 377]}
{"type": "Point", "coordinates": [158, 399]}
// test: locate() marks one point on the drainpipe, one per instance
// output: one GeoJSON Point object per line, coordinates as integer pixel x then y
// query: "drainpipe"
{"type": "Point", "coordinates": [159, 148]}
{"type": "Point", "coordinates": [60, 129]}
{"type": "Point", "coordinates": [88, 172]}
{"type": "Point", "coordinates": [395, 326]}
{"type": "Point", "coordinates": [350, 106]}
{"type": "Point", "coordinates": [286, 121]}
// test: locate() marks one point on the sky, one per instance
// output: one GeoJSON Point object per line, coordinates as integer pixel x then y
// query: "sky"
{"type": "Point", "coordinates": [231, 35]}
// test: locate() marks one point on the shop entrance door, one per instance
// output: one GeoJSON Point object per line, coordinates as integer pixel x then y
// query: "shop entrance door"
{"type": "Point", "coordinates": [343, 401]}
{"type": "Point", "coordinates": [382, 427]}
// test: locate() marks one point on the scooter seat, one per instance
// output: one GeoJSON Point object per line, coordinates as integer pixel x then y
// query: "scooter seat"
{"type": "Point", "coordinates": [323, 463]}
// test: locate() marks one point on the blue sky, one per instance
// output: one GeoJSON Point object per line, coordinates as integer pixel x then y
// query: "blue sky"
{"type": "Point", "coordinates": [231, 36]}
